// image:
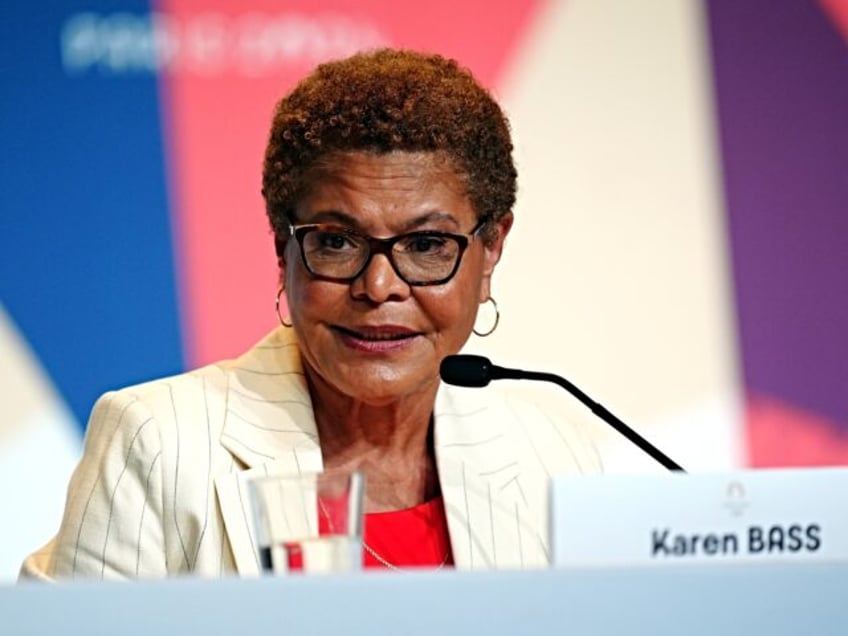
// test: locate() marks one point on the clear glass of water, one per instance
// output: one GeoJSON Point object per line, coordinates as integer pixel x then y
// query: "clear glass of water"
{"type": "Point", "coordinates": [309, 523]}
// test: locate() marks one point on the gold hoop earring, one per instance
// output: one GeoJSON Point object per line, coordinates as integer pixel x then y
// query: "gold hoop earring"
{"type": "Point", "coordinates": [277, 308]}
{"type": "Point", "coordinates": [483, 334]}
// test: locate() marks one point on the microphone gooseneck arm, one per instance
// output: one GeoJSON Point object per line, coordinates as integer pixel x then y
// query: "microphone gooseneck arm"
{"type": "Point", "coordinates": [602, 412]}
{"type": "Point", "coordinates": [477, 371]}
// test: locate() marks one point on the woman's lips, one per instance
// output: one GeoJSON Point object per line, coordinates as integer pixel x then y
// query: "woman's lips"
{"type": "Point", "coordinates": [377, 339]}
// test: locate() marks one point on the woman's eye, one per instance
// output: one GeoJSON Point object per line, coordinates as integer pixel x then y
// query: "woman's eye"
{"type": "Point", "coordinates": [334, 241]}
{"type": "Point", "coordinates": [424, 244]}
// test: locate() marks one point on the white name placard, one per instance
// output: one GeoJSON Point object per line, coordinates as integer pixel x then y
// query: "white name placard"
{"type": "Point", "coordinates": [774, 515]}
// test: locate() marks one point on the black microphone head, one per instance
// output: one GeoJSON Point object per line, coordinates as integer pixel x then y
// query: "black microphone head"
{"type": "Point", "coordinates": [466, 370]}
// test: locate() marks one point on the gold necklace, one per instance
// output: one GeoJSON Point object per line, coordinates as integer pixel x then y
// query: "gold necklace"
{"type": "Point", "coordinates": [396, 568]}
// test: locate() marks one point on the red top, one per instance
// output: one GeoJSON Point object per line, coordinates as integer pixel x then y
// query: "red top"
{"type": "Point", "coordinates": [414, 537]}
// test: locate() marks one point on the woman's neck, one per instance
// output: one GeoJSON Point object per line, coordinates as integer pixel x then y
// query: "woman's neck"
{"type": "Point", "coordinates": [391, 443]}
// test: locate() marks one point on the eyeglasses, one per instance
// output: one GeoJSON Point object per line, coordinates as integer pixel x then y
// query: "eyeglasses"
{"type": "Point", "coordinates": [336, 253]}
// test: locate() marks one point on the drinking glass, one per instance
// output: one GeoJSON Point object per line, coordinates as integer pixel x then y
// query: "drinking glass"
{"type": "Point", "coordinates": [309, 523]}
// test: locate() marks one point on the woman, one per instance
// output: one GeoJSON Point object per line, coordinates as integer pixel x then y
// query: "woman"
{"type": "Point", "coordinates": [389, 186]}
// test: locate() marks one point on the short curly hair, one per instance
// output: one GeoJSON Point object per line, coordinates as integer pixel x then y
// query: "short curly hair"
{"type": "Point", "coordinates": [383, 101]}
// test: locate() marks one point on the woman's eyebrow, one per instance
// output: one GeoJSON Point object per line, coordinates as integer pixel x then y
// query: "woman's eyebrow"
{"type": "Point", "coordinates": [353, 222]}
{"type": "Point", "coordinates": [333, 216]}
{"type": "Point", "coordinates": [430, 217]}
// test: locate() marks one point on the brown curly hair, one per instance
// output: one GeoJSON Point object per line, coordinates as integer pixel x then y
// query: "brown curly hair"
{"type": "Point", "coordinates": [383, 101]}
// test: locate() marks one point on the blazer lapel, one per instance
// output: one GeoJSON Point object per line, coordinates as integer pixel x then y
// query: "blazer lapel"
{"type": "Point", "coordinates": [270, 428]}
{"type": "Point", "coordinates": [491, 523]}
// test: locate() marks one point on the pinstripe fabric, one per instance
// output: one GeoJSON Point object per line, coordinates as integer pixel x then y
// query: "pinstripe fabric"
{"type": "Point", "coordinates": [161, 489]}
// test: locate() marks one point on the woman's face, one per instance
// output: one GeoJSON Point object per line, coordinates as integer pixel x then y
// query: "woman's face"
{"type": "Point", "coordinates": [378, 339]}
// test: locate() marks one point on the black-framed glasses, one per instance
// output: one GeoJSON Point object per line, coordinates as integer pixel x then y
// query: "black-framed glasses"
{"type": "Point", "coordinates": [336, 253]}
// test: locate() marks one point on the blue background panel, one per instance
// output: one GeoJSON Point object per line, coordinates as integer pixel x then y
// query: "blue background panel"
{"type": "Point", "coordinates": [87, 268]}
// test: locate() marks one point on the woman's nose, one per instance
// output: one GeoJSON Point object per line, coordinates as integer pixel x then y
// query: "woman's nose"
{"type": "Point", "coordinates": [379, 282]}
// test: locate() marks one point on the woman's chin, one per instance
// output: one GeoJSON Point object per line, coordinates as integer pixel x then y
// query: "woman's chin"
{"type": "Point", "coordinates": [376, 388]}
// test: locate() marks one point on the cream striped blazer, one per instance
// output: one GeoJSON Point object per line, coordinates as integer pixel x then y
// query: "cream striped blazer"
{"type": "Point", "coordinates": [161, 489]}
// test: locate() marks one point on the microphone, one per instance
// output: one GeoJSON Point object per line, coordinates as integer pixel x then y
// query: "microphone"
{"type": "Point", "coordinates": [477, 371]}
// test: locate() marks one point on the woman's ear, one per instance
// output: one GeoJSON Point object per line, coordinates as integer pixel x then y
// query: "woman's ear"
{"type": "Point", "coordinates": [280, 247]}
{"type": "Point", "coordinates": [492, 251]}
